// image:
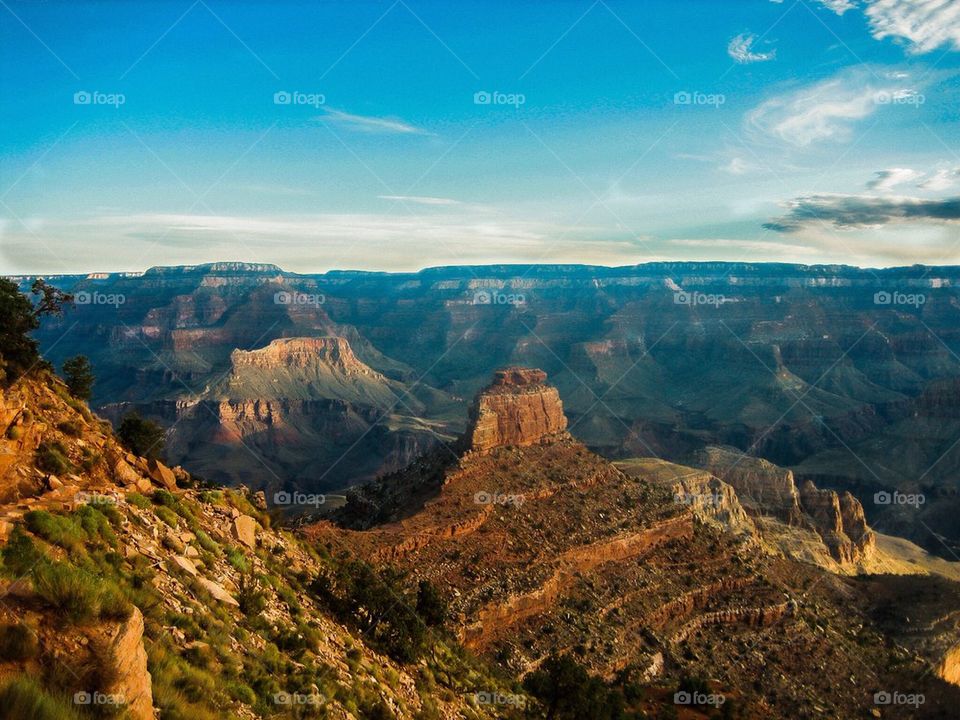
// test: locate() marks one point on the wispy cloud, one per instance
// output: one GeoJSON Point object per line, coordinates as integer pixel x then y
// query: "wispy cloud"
{"type": "Point", "coordinates": [420, 199]}
{"type": "Point", "coordinates": [886, 180]}
{"type": "Point", "coordinates": [942, 179]}
{"type": "Point", "coordinates": [364, 123]}
{"type": "Point", "coordinates": [924, 25]}
{"type": "Point", "coordinates": [828, 110]}
{"type": "Point", "coordinates": [860, 211]}
{"type": "Point", "coordinates": [838, 6]}
{"type": "Point", "coordinates": [741, 50]}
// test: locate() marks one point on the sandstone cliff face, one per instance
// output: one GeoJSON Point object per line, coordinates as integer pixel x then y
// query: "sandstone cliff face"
{"type": "Point", "coordinates": [839, 520]}
{"type": "Point", "coordinates": [762, 487]}
{"type": "Point", "coordinates": [517, 409]}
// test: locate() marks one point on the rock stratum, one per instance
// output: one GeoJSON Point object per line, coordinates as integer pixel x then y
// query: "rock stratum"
{"type": "Point", "coordinates": [517, 408]}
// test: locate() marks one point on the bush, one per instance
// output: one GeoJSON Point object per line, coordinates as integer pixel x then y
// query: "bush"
{"type": "Point", "coordinates": [430, 605]}
{"type": "Point", "coordinates": [17, 643]}
{"type": "Point", "coordinates": [71, 428]}
{"type": "Point", "coordinates": [78, 375]}
{"type": "Point", "coordinates": [141, 437]}
{"type": "Point", "coordinates": [167, 515]}
{"type": "Point", "coordinates": [23, 698]}
{"type": "Point", "coordinates": [20, 554]}
{"type": "Point", "coordinates": [14, 432]}
{"type": "Point", "coordinates": [52, 457]}
{"type": "Point", "coordinates": [57, 529]}
{"type": "Point", "coordinates": [77, 595]}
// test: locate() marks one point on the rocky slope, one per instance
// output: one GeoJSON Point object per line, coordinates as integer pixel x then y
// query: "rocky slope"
{"type": "Point", "coordinates": [127, 589]}
{"type": "Point", "coordinates": [545, 547]}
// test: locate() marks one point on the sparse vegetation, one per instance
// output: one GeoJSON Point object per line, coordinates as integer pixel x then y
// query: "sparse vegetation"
{"type": "Point", "coordinates": [23, 698]}
{"type": "Point", "coordinates": [52, 457]}
{"type": "Point", "coordinates": [78, 375]}
{"type": "Point", "coordinates": [140, 436]}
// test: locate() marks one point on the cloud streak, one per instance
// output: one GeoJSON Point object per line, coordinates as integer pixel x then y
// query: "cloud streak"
{"type": "Point", "coordinates": [861, 211]}
{"type": "Point", "coordinates": [741, 50]}
{"type": "Point", "coordinates": [367, 124]}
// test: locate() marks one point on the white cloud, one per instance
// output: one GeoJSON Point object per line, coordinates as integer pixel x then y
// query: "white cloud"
{"type": "Point", "coordinates": [942, 179]}
{"type": "Point", "coordinates": [924, 24]}
{"type": "Point", "coordinates": [363, 123]}
{"type": "Point", "coordinates": [838, 6]}
{"type": "Point", "coordinates": [741, 49]}
{"type": "Point", "coordinates": [886, 180]}
{"type": "Point", "coordinates": [737, 166]}
{"type": "Point", "coordinates": [829, 109]}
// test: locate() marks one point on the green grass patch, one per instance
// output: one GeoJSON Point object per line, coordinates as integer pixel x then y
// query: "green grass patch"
{"type": "Point", "coordinates": [24, 699]}
{"type": "Point", "coordinates": [57, 529]}
{"type": "Point", "coordinates": [52, 457]}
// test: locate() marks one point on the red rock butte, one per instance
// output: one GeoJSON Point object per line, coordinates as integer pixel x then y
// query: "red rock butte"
{"type": "Point", "coordinates": [518, 408]}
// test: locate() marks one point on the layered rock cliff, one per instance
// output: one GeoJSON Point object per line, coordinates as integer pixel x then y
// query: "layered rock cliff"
{"type": "Point", "coordinates": [517, 408]}
{"type": "Point", "coordinates": [762, 487]}
{"type": "Point", "coordinates": [840, 521]}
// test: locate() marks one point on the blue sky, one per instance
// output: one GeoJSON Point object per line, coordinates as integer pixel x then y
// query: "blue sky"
{"type": "Point", "coordinates": [425, 133]}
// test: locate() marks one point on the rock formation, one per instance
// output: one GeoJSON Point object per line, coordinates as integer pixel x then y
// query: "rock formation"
{"type": "Point", "coordinates": [517, 408]}
{"type": "Point", "coordinates": [839, 520]}
{"type": "Point", "coordinates": [762, 487]}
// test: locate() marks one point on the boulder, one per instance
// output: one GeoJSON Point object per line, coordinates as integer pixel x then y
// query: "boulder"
{"type": "Point", "coordinates": [126, 659]}
{"type": "Point", "coordinates": [217, 591]}
{"type": "Point", "coordinates": [162, 475]}
{"type": "Point", "coordinates": [245, 530]}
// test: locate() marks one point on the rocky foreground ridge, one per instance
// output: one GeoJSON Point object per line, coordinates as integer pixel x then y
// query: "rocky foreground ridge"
{"type": "Point", "coordinates": [126, 589]}
{"type": "Point", "coordinates": [544, 547]}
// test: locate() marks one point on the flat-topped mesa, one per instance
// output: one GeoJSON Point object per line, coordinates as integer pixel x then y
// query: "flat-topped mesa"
{"type": "Point", "coordinates": [300, 352]}
{"type": "Point", "coordinates": [518, 408]}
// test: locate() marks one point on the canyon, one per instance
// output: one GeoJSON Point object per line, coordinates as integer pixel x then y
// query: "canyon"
{"type": "Point", "coordinates": [801, 365]}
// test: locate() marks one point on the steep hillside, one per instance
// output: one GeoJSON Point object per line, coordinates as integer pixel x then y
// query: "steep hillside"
{"type": "Point", "coordinates": [543, 548]}
{"type": "Point", "coordinates": [127, 589]}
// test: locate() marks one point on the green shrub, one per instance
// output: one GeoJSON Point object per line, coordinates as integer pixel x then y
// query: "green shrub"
{"type": "Point", "coordinates": [138, 500]}
{"type": "Point", "coordinates": [20, 554]}
{"type": "Point", "coordinates": [52, 457]}
{"type": "Point", "coordinates": [24, 699]}
{"type": "Point", "coordinates": [237, 558]}
{"type": "Point", "coordinates": [17, 643]}
{"type": "Point", "coordinates": [71, 428]}
{"type": "Point", "coordinates": [14, 432]}
{"type": "Point", "coordinates": [167, 515]}
{"type": "Point", "coordinates": [241, 693]}
{"type": "Point", "coordinates": [142, 437]}
{"type": "Point", "coordinates": [77, 595]}
{"type": "Point", "coordinates": [57, 529]}
{"type": "Point", "coordinates": [166, 498]}
{"type": "Point", "coordinates": [207, 543]}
